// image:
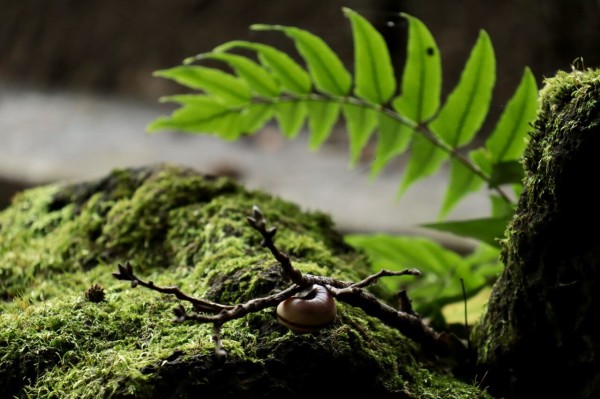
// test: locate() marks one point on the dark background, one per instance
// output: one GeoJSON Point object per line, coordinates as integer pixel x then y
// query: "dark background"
{"type": "Point", "coordinates": [114, 45]}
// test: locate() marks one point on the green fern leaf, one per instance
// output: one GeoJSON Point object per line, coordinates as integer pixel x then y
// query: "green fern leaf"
{"type": "Point", "coordinates": [361, 122]}
{"type": "Point", "coordinates": [443, 268]}
{"type": "Point", "coordinates": [393, 139]}
{"type": "Point", "coordinates": [500, 207]}
{"type": "Point", "coordinates": [462, 182]}
{"type": "Point", "coordinates": [488, 230]}
{"type": "Point", "coordinates": [228, 88]}
{"type": "Point", "coordinates": [291, 116]}
{"type": "Point", "coordinates": [481, 158]}
{"type": "Point", "coordinates": [485, 259]}
{"type": "Point", "coordinates": [399, 252]}
{"type": "Point", "coordinates": [374, 73]}
{"type": "Point", "coordinates": [517, 190]}
{"type": "Point", "coordinates": [259, 80]}
{"type": "Point", "coordinates": [505, 173]}
{"type": "Point", "coordinates": [508, 140]}
{"type": "Point", "coordinates": [422, 76]}
{"type": "Point", "coordinates": [202, 114]}
{"type": "Point", "coordinates": [321, 119]}
{"type": "Point", "coordinates": [291, 75]}
{"type": "Point", "coordinates": [468, 104]}
{"type": "Point", "coordinates": [255, 116]}
{"type": "Point", "coordinates": [437, 263]}
{"type": "Point", "coordinates": [325, 67]}
{"type": "Point", "coordinates": [425, 159]}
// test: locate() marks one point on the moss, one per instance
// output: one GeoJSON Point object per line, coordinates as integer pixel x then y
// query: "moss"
{"type": "Point", "coordinates": [544, 307]}
{"type": "Point", "coordinates": [178, 227]}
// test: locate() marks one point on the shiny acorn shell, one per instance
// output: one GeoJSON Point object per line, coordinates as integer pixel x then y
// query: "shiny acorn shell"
{"type": "Point", "coordinates": [308, 311]}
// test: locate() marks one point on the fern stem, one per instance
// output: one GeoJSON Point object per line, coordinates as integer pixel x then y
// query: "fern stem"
{"type": "Point", "coordinates": [421, 128]}
{"type": "Point", "coordinates": [417, 128]}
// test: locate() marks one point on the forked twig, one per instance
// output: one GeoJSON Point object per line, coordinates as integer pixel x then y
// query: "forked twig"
{"type": "Point", "coordinates": [204, 311]}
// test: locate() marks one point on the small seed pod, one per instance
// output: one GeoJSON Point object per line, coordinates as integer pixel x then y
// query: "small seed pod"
{"type": "Point", "coordinates": [95, 294]}
{"type": "Point", "coordinates": [307, 311]}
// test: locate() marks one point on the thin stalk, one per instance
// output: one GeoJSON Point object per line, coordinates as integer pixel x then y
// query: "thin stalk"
{"type": "Point", "coordinates": [418, 128]}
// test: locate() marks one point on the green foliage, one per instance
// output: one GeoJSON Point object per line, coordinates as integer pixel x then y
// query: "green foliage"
{"type": "Point", "coordinates": [375, 80]}
{"type": "Point", "coordinates": [442, 269]}
{"type": "Point", "coordinates": [408, 116]}
{"type": "Point", "coordinates": [422, 77]}
{"type": "Point", "coordinates": [487, 230]}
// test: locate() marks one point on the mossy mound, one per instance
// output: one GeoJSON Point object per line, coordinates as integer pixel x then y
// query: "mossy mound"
{"type": "Point", "coordinates": [539, 337]}
{"type": "Point", "coordinates": [176, 226]}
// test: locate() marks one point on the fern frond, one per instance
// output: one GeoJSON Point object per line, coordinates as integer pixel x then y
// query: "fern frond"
{"type": "Point", "coordinates": [407, 116]}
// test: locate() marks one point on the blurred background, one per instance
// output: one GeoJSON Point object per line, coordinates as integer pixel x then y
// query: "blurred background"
{"type": "Point", "coordinates": [76, 90]}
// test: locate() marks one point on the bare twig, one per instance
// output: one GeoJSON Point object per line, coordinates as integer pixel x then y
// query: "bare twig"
{"type": "Point", "coordinates": [408, 324]}
{"type": "Point", "coordinates": [202, 305]}
{"type": "Point", "coordinates": [405, 319]}
{"type": "Point", "coordinates": [259, 223]}
{"type": "Point", "coordinates": [384, 273]}
{"type": "Point", "coordinates": [404, 303]}
{"type": "Point", "coordinates": [237, 311]}
{"type": "Point", "coordinates": [220, 353]}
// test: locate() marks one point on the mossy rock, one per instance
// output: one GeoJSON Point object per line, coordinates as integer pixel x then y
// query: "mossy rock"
{"type": "Point", "coordinates": [540, 336]}
{"type": "Point", "coordinates": [178, 227]}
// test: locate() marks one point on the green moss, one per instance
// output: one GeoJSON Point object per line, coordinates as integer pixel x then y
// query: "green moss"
{"type": "Point", "coordinates": [544, 305]}
{"type": "Point", "coordinates": [178, 227]}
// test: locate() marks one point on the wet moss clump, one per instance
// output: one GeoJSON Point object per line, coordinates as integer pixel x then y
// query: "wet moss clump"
{"type": "Point", "coordinates": [539, 337]}
{"type": "Point", "coordinates": [179, 227]}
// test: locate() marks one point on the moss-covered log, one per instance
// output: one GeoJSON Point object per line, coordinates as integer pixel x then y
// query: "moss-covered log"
{"type": "Point", "coordinates": [176, 226]}
{"type": "Point", "coordinates": [540, 336]}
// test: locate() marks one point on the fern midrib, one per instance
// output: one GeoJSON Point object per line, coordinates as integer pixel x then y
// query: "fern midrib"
{"type": "Point", "coordinates": [416, 128]}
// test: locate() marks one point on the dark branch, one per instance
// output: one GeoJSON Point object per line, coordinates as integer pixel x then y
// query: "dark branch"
{"type": "Point", "coordinates": [384, 273]}
{"type": "Point", "coordinates": [237, 311]}
{"type": "Point", "coordinates": [404, 303]}
{"type": "Point", "coordinates": [220, 353]}
{"type": "Point", "coordinates": [405, 319]}
{"type": "Point", "coordinates": [202, 305]}
{"type": "Point", "coordinates": [259, 223]}
{"type": "Point", "coordinates": [410, 325]}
